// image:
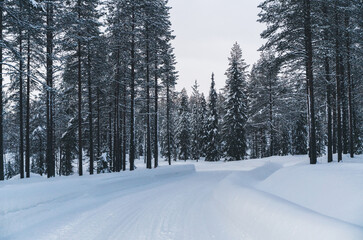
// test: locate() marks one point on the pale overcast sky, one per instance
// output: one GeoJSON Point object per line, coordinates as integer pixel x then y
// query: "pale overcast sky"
{"type": "Point", "coordinates": [205, 32]}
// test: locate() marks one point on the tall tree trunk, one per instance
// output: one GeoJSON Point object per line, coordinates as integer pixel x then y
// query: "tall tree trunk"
{"type": "Point", "coordinates": [310, 77]}
{"type": "Point", "coordinates": [124, 114]}
{"type": "Point", "coordinates": [132, 89]}
{"type": "Point", "coordinates": [328, 91]}
{"type": "Point", "coordinates": [21, 140]}
{"type": "Point", "coordinates": [90, 111]}
{"type": "Point", "coordinates": [350, 102]}
{"type": "Point", "coordinates": [2, 175]}
{"type": "Point", "coordinates": [115, 129]}
{"type": "Point", "coordinates": [270, 111]}
{"type": "Point", "coordinates": [156, 99]}
{"type": "Point", "coordinates": [335, 119]}
{"type": "Point", "coordinates": [117, 152]}
{"type": "Point", "coordinates": [168, 121]}
{"type": "Point", "coordinates": [27, 134]}
{"type": "Point", "coordinates": [98, 124]}
{"type": "Point", "coordinates": [110, 135]}
{"type": "Point", "coordinates": [148, 130]}
{"type": "Point", "coordinates": [329, 110]}
{"type": "Point", "coordinates": [49, 102]}
{"type": "Point", "coordinates": [338, 85]}
{"type": "Point", "coordinates": [80, 162]}
{"type": "Point", "coordinates": [344, 109]}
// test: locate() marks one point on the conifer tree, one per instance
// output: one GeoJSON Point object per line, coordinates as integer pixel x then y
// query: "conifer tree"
{"type": "Point", "coordinates": [196, 123]}
{"type": "Point", "coordinates": [212, 138]}
{"type": "Point", "coordinates": [234, 132]}
{"type": "Point", "coordinates": [183, 127]}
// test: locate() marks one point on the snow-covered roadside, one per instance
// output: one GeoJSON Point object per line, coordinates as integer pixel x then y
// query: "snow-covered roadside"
{"type": "Point", "coordinates": [265, 209]}
{"type": "Point", "coordinates": [272, 198]}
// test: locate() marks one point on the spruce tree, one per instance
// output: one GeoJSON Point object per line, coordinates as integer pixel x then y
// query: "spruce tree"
{"type": "Point", "coordinates": [234, 126]}
{"type": "Point", "coordinates": [196, 123]}
{"type": "Point", "coordinates": [183, 127]}
{"type": "Point", "coordinates": [212, 138]}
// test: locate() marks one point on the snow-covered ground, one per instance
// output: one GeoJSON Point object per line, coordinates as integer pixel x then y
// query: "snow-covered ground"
{"type": "Point", "coordinates": [274, 198]}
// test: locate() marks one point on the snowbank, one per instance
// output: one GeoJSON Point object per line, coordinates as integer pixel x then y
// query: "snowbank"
{"type": "Point", "coordinates": [273, 198]}
{"type": "Point", "coordinates": [267, 216]}
{"type": "Point", "coordinates": [333, 190]}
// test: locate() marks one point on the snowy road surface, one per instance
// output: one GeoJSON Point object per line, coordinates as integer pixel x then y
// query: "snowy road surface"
{"type": "Point", "coordinates": [275, 198]}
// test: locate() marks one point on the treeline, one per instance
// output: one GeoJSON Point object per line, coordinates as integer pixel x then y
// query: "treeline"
{"type": "Point", "coordinates": [94, 81]}
{"type": "Point", "coordinates": [83, 80]}
{"type": "Point", "coordinates": [321, 42]}
{"type": "Point", "coordinates": [304, 95]}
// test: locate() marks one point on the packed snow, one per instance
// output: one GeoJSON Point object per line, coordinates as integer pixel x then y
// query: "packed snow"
{"type": "Point", "coordinates": [272, 198]}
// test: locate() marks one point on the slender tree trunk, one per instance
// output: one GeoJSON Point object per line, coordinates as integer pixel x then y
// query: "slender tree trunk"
{"type": "Point", "coordinates": [98, 124]}
{"type": "Point", "coordinates": [110, 135]}
{"type": "Point", "coordinates": [21, 145]}
{"type": "Point", "coordinates": [338, 83]}
{"type": "Point", "coordinates": [115, 130]}
{"type": "Point", "coordinates": [344, 109]}
{"type": "Point", "coordinates": [168, 121]}
{"type": "Point", "coordinates": [350, 102]}
{"type": "Point", "coordinates": [328, 92]}
{"type": "Point", "coordinates": [132, 89]}
{"type": "Point", "coordinates": [148, 130]}
{"type": "Point", "coordinates": [27, 134]}
{"type": "Point", "coordinates": [49, 102]}
{"type": "Point", "coordinates": [124, 114]}
{"type": "Point", "coordinates": [309, 75]}
{"type": "Point", "coordinates": [271, 127]}
{"type": "Point", "coordinates": [90, 118]}
{"type": "Point", "coordinates": [329, 110]}
{"type": "Point", "coordinates": [335, 119]}
{"type": "Point", "coordinates": [80, 162]}
{"type": "Point", "coordinates": [2, 175]}
{"type": "Point", "coordinates": [116, 146]}
{"type": "Point", "coordinates": [156, 99]}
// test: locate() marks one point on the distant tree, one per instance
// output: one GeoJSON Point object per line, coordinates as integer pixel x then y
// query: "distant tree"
{"type": "Point", "coordinates": [234, 126]}
{"type": "Point", "coordinates": [183, 127]}
{"type": "Point", "coordinates": [197, 119]}
{"type": "Point", "coordinates": [212, 138]}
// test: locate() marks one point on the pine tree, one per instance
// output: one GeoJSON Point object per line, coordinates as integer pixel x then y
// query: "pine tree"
{"type": "Point", "coordinates": [212, 138]}
{"type": "Point", "coordinates": [234, 132]}
{"type": "Point", "coordinates": [197, 119]}
{"type": "Point", "coordinates": [282, 18]}
{"type": "Point", "coordinates": [267, 101]}
{"type": "Point", "coordinates": [183, 127]}
{"type": "Point", "coordinates": [203, 115]}
{"type": "Point", "coordinates": [169, 77]}
{"type": "Point", "coordinates": [2, 174]}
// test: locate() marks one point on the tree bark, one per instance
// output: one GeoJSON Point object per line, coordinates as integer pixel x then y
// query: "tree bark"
{"type": "Point", "coordinates": [49, 102]}
{"type": "Point", "coordinates": [27, 134]}
{"type": "Point", "coordinates": [338, 85]}
{"type": "Point", "coordinates": [124, 114]}
{"type": "Point", "coordinates": [350, 97]}
{"type": "Point", "coordinates": [156, 106]}
{"type": "Point", "coordinates": [310, 77]}
{"type": "Point", "coordinates": [148, 130]}
{"type": "Point", "coordinates": [21, 140]}
{"type": "Point", "coordinates": [98, 124]}
{"type": "Point", "coordinates": [110, 135]}
{"type": "Point", "coordinates": [90, 111]}
{"type": "Point", "coordinates": [168, 121]}
{"type": "Point", "coordinates": [80, 162]}
{"type": "Point", "coordinates": [270, 113]}
{"type": "Point", "coordinates": [328, 92]}
{"type": "Point", "coordinates": [2, 175]}
{"type": "Point", "coordinates": [132, 89]}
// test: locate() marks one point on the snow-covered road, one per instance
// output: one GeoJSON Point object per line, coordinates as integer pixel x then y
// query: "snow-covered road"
{"type": "Point", "coordinates": [199, 201]}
